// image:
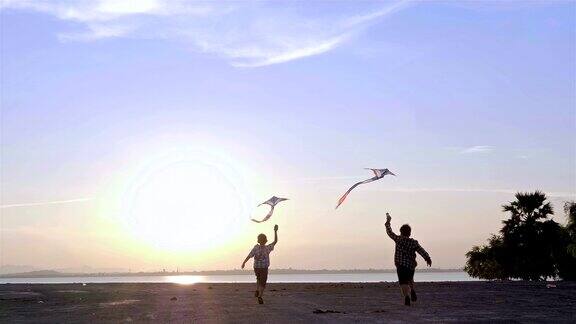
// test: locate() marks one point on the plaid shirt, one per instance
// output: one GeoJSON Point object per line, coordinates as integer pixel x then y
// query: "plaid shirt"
{"type": "Point", "coordinates": [261, 254]}
{"type": "Point", "coordinates": [406, 248]}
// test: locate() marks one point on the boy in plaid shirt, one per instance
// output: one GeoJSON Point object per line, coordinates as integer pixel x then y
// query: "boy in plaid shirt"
{"type": "Point", "coordinates": [261, 254]}
{"type": "Point", "coordinates": [405, 259]}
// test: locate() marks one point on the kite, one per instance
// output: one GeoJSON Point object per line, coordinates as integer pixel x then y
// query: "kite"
{"type": "Point", "coordinates": [271, 202]}
{"type": "Point", "coordinates": [378, 174]}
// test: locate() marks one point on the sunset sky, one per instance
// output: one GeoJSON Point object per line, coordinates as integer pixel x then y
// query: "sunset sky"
{"type": "Point", "coordinates": [143, 134]}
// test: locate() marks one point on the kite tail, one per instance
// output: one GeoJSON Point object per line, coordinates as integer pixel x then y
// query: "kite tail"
{"type": "Point", "coordinates": [266, 217]}
{"type": "Point", "coordinates": [341, 200]}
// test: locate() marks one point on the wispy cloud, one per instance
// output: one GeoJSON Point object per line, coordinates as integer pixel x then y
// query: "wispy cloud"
{"type": "Point", "coordinates": [295, 53]}
{"type": "Point", "coordinates": [246, 34]}
{"type": "Point", "coordinates": [477, 149]}
{"type": "Point", "coordinates": [54, 202]}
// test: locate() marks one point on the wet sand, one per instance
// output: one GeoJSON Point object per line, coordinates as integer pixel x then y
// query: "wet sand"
{"type": "Point", "coordinates": [293, 302]}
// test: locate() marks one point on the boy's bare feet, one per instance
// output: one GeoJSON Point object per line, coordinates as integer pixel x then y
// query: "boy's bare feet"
{"type": "Point", "coordinates": [260, 300]}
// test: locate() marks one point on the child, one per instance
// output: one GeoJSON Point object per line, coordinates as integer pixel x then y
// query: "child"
{"type": "Point", "coordinates": [261, 254]}
{"type": "Point", "coordinates": [405, 259]}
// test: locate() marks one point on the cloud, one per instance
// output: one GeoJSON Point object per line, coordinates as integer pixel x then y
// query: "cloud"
{"type": "Point", "coordinates": [295, 53]}
{"type": "Point", "coordinates": [477, 149]}
{"type": "Point", "coordinates": [245, 34]}
{"type": "Point", "coordinates": [54, 202]}
{"type": "Point", "coordinates": [97, 32]}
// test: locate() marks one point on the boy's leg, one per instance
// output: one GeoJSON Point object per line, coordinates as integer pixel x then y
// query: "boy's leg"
{"type": "Point", "coordinates": [405, 288]}
{"type": "Point", "coordinates": [409, 293]}
{"type": "Point", "coordinates": [405, 293]}
{"type": "Point", "coordinates": [257, 291]}
{"type": "Point", "coordinates": [404, 281]}
{"type": "Point", "coordinates": [410, 281]}
{"type": "Point", "coordinates": [260, 292]}
{"type": "Point", "coordinates": [258, 274]}
{"type": "Point", "coordinates": [413, 296]}
{"type": "Point", "coordinates": [259, 288]}
{"type": "Point", "coordinates": [263, 280]}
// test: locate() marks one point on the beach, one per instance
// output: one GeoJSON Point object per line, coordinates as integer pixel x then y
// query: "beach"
{"type": "Point", "coordinates": [287, 302]}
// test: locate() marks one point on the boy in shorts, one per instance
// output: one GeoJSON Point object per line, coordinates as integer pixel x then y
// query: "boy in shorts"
{"type": "Point", "coordinates": [261, 254]}
{"type": "Point", "coordinates": [405, 259]}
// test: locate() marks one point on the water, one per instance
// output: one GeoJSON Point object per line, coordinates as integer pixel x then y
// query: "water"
{"type": "Point", "coordinates": [192, 279]}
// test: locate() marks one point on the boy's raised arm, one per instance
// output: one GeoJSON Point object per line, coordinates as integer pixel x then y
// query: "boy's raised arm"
{"type": "Point", "coordinates": [275, 235]}
{"type": "Point", "coordinates": [389, 228]}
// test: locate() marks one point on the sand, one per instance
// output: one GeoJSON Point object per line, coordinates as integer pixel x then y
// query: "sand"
{"type": "Point", "coordinates": [287, 303]}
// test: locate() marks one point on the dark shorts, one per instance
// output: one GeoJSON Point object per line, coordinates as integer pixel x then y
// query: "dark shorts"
{"type": "Point", "coordinates": [405, 275]}
{"type": "Point", "coordinates": [261, 276]}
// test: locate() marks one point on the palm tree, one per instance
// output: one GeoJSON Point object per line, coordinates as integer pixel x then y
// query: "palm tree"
{"type": "Point", "coordinates": [529, 237]}
{"type": "Point", "coordinates": [570, 210]}
{"type": "Point", "coordinates": [528, 208]}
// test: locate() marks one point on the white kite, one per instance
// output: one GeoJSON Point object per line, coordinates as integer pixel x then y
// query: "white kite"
{"type": "Point", "coordinates": [378, 174]}
{"type": "Point", "coordinates": [271, 202]}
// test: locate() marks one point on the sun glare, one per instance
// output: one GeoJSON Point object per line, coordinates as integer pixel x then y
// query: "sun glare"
{"type": "Point", "coordinates": [185, 203]}
{"type": "Point", "coordinates": [184, 279]}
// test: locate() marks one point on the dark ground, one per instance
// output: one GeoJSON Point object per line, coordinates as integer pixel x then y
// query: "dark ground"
{"type": "Point", "coordinates": [521, 302]}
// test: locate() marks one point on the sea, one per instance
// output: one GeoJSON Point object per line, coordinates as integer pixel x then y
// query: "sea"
{"type": "Point", "coordinates": [239, 278]}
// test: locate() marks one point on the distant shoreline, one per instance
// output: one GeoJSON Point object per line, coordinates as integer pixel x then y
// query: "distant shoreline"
{"type": "Point", "coordinates": [56, 274]}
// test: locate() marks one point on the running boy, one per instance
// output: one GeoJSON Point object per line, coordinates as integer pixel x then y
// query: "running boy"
{"type": "Point", "coordinates": [405, 259]}
{"type": "Point", "coordinates": [261, 254]}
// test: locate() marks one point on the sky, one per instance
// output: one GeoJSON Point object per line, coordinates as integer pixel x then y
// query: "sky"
{"type": "Point", "coordinates": [143, 135]}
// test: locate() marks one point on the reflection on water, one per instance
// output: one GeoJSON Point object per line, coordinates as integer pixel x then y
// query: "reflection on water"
{"type": "Point", "coordinates": [300, 277]}
{"type": "Point", "coordinates": [184, 280]}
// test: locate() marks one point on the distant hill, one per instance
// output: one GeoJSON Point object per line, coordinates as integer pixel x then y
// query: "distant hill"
{"type": "Point", "coordinates": [34, 274]}
{"type": "Point", "coordinates": [88, 269]}
{"type": "Point", "coordinates": [10, 269]}
{"type": "Point", "coordinates": [13, 268]}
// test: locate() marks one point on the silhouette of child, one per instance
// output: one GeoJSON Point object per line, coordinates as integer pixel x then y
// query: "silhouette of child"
{"type": "Point", "coordinates": [261, 254]}
{"type": "Point", "coordinates": [405, 259]}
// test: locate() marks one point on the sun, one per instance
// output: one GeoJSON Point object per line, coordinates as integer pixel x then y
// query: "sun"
{"type": "Point", "coordinates": [185, 203]}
